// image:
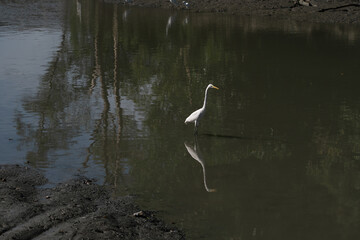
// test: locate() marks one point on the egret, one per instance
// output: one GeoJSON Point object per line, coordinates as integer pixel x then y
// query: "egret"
{"type": "Point", "coordinates": [198, 114]}
{"type": "Point", "coordinates": [174, 2]}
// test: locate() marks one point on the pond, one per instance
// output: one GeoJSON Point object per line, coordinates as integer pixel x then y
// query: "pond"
{"type": "Point", "coordinates": [277, 155]}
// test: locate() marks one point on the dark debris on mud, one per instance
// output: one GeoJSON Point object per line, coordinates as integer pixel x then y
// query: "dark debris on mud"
{"type": "Point", "coordinates": [321, 11]}
{"type": "Point", "coordinates": [77, 209]}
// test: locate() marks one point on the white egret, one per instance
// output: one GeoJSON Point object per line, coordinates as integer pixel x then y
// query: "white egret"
{"type": "Point", "coordinates": [198, 114]}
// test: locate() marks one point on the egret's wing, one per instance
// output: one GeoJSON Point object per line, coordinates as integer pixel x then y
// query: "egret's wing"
{"type": "Point", "coordinates": [194, 116]}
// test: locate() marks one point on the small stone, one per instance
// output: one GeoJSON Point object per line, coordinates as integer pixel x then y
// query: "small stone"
{"type": "Point", "coordinates": [139, 214]}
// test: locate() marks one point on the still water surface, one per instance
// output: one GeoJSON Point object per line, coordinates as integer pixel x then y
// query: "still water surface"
{"type": "Point", "coordinates": [278, 152]}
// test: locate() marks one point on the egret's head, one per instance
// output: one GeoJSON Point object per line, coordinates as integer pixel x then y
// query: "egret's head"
{"type": "Point", "coordinates": [212, 86]}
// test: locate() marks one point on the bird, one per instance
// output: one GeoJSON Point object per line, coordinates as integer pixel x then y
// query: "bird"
{"type": "Point", "coordinates": [186, 4]}
{"type": "Point", "coordinates": [198, 114]}
{"type": "Point", "coordinates": [174, 2]}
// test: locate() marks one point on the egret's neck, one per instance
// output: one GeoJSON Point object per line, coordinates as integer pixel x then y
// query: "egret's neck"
{"type": "Point", "coordinates": [206, 91]}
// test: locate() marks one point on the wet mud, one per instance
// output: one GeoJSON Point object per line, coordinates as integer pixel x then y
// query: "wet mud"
{"type": "Point", "coordinates": [77, 209]}
{"type": "Point", "coordinates": [322, 11]}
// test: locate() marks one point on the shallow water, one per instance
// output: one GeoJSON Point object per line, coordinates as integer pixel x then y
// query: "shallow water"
{"type": "Point", "coordinates": [277, 155]}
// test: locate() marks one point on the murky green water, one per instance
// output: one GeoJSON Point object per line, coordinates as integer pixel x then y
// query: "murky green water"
{"type": "Point", "coordinates": [278, 151]}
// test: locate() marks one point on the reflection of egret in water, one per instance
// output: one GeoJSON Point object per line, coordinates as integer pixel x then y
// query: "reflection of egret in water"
{"type": "Point", "coordinates": [169, 23]}
{"type": "Point", "coordinates": [195, 154]}
{"type": "Point", "coordinates": [125, 15]}
{"type": "Point", "coordinates": [78, 9]}
{"type": "Point", "coordinates": [186, 20]}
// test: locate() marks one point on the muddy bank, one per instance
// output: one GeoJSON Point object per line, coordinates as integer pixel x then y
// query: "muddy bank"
{"type": "Point", "coordinates": [336, 11]}
{"type": "Point", "coordinates": [77, 209]}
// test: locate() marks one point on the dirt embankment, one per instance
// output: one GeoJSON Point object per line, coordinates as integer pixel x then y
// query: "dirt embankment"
{"type": "Point", "coordinates": [326, 11]}
{"type": "Point", "coordinates": [78, 209]}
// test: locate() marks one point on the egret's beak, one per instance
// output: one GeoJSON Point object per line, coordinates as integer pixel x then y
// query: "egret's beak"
{"type": "Point", "coordinates": [215, 87]}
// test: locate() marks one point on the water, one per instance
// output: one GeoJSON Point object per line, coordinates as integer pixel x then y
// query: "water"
{"type": "Point", "coordinates": [106, 95]}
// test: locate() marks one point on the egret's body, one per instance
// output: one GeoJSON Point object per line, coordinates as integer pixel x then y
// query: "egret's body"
{"type": "Point", "coordinates": [198, 114]}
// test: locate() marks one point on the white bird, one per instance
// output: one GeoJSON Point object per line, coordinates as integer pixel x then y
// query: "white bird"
{"type": "Point", "coordinates": [198, 114]}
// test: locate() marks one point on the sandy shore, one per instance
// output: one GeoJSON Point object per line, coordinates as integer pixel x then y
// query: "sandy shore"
{"type": "Point", "coordinates": [77, 209]}
{"type": "Point", "coordinates": [325, 11]}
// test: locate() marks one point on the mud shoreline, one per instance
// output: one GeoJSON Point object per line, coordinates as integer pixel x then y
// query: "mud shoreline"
{"type": "Point", "coordinates": [77, 209]}
{"type": "Point", "coordinates": [323, 11]}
